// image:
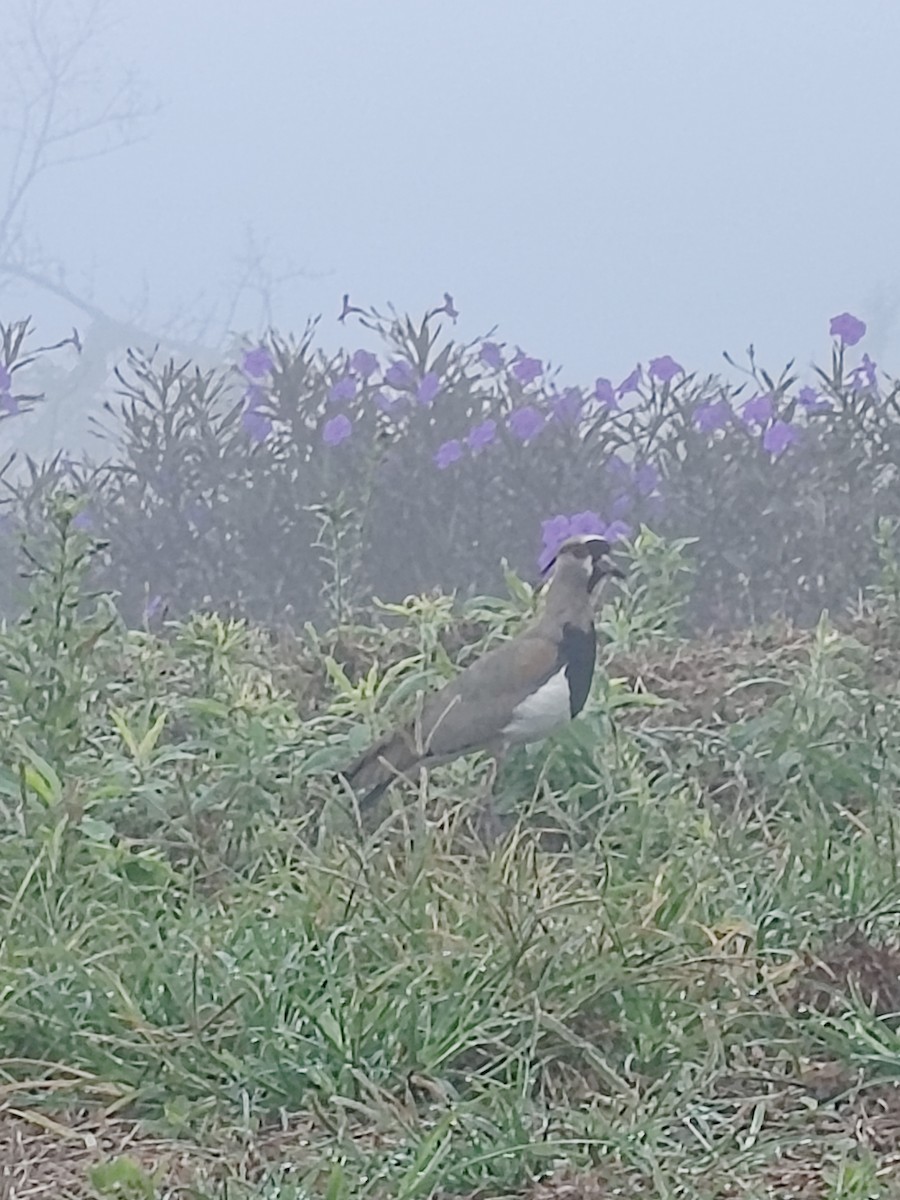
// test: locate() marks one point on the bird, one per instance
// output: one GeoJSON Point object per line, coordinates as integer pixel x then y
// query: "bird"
{"type": "Point", "coordinates": [517, 693]}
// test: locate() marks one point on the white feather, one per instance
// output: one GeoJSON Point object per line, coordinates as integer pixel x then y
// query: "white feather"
{"type": "Point", "coordinates": [541, 712]}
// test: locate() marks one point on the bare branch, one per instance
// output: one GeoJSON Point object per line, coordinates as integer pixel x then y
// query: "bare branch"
{"type": "Point", "coordinates": [59, 103]}
{"type": "Point", "coordinates": [64, 100]}
{"type": "Point", "coordinates": [256, 277]}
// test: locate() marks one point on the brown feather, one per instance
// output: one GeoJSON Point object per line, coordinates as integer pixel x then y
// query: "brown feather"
{"type": "Point", "coordinates": [472, 710]}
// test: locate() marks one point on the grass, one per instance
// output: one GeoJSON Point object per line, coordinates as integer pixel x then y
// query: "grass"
{"type": "Point", "coordinates": [675, 976]}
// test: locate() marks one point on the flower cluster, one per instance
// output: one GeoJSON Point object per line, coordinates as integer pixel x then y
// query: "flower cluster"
{"type": "Point", "coordinates": [356, 383]}
{"type": "Point", "coordinates": [555, 530]}
{"type": "Point", "coordinates": [456, 455]}
{"type": "Point", "coordinates": [256, 365]}
{"type": "Point", "coordinates": [535, 404]}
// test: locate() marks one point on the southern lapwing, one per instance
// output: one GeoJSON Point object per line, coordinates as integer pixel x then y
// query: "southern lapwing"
{"type": "Point", "coordinates": [519, 692]}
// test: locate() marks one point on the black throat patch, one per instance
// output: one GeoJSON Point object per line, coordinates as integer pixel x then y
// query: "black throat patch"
{"type": "Point", "coordinates": [578, 653]}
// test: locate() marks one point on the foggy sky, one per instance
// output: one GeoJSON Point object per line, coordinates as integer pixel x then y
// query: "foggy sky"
{"type": "Point", "coordinates": [606, 182]}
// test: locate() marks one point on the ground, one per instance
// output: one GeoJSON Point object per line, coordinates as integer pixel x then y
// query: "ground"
{"type": "Point", "coordinates": [677, 976]}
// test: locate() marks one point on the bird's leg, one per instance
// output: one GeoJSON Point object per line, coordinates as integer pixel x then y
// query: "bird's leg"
{"type": "Point", "coordinates": [490, 827]}
{"type": "Point", "coordinates": [493, 772]}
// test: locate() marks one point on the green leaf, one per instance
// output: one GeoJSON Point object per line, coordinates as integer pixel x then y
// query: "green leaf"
{"type": "Point", "coordinates": [10, 784]}
{"type": "Point", "coordinates": [150, 738]}
{"type": "Point", "coordinates": [96, 831]}
{"type": "Point", "coordinates": [123, 1178]}
{"type": "Point", "coordinates": [40, 777]}
{"type": "Point", "coordinates": [206, 707]}
{"type": "Point", "coordinates": [125, 733]}
{"type": "Point", "coordinates": [338, 677]}
{"type": "Point", "coordinates": [337, 1184]}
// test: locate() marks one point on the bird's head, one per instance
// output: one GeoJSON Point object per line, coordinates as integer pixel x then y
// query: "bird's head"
{"type": "Point", "coordinates": [585, 555]}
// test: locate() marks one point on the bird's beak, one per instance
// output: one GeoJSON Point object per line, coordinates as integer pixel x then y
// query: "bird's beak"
{"type": "Point", "coordinates": [603, 568]}
{"type": "Point", "coordinates": [602, 565]}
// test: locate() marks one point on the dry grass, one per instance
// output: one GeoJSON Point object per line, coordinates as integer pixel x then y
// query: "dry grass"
{"type": "Point", "coordinates": [680, 998]}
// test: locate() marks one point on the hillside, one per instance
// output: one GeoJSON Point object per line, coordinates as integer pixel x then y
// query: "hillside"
{"type": "Point", "coordinates": [677, 975]}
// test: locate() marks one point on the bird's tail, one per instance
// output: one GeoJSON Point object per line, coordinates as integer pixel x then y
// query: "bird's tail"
{"type": "Point", "coordinates": [375, 770]}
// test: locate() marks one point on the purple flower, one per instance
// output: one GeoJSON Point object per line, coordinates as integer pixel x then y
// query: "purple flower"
{"type": "Point", "coordinates": [808, 396]}
{"type": "Point", "coordinates": [549, 548]}
{"type": "Point", "coordinates": [555, 530]}
{"type": "Point", "coordinates": [758, 409]}
{"type": "Point", "coordinates": [779, 436]}
{"type": "Point", "coordinates": [526, 370]}
{"type": "Point", "coordinates": [255, 396]}
{"type": "Point", "coordinates": [620, 505]}
{"type": "Point", "coordinates": [447, 453]}
{"type": "Point", "coordinates": [481, 435]}
{"type": "Point", "coordinates": [428, 388]}
{"type": "Point", "coordinates": [863, 377]}
{"type": "Point", "coordinates": [364, 363]}
{"type": "Point", "coordinates": [384, 401]}
{"type": "Point", "coordinates": [665, 369]}
{"type": "Point", "coordinates": [449, 307]}
{"type": "Point", "coordinates": [568, 405]}
{"type": "Point", "coordinates": [83, 520]}
{"type": "Point", "coordinates": [630, 383]}
{"type": "Point", "coordinates": [491, 355]}
{"type": "Point", "coordinates": [848, 328]}
{"type": "Point", "coordinates": [256, 425]}
{"type": "Point", "coordinates": [525, 423]}
{"type": "Point", "coordinates": [153, 607]}
{"type": "Point", "coordinates": [400, 375]}
{"type": "Point", "coordinates": [646, 479]}
{"type": "Point", "coordinates": [5, 379]}
{"type": "Point", "coordinates": [811, 400]}
{"type": "Point", "coordinates": [710, 417]}
{"type": "Point", "coordinates": [10, 404]}
{"type": "Point", "coordinates": [337, 430]}
{"type": "Point", "coordinates": [343, 389]}
{"type": "Point", "coordinates": [605, 393]}
{"type": "Point", "coordinates": [583, 523]}
{"type": "Point", "coordinates": [257, 362]}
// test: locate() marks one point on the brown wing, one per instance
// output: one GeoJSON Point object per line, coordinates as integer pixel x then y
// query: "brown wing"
{"type": "Point", "coordinates": [466, 714]}
{"type": "Point", "coordinates": [473, 708]}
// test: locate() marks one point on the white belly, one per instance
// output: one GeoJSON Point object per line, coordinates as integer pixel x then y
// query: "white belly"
{"type": "Point", "coordinates": [547, 709]}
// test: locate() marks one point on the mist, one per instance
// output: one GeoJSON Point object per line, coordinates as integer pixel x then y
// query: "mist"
{"type": "Point", "coordinates": [603, 183]}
